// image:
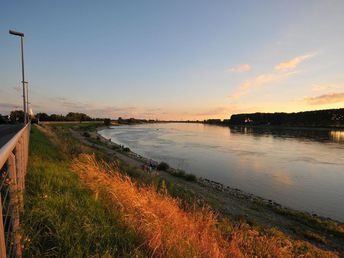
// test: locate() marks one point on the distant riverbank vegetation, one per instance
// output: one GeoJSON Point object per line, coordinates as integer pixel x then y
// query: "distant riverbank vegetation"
{"type": "Point", "coordinates": [333, 118]}
{"type": "Point", "coordinates": [176, 172]}
{"type": "Point", "coordinates": [80, 204]}
{"type": "Point", "coordinates": [318, 118]}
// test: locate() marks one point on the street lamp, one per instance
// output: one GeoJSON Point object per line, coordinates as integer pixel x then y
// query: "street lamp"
{"type": "Point", "coordinates": [27, 100]}
{"type": "Point", "coordinates": [21, 35]}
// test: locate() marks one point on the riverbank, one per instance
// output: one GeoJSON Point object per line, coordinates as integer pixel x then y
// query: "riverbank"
{"type": "Point", "coordinates": [234, 205]}
{"type": "Point", "coordinates": [168, 217]}
{"type": "Point", "coordinates": [260, 212]}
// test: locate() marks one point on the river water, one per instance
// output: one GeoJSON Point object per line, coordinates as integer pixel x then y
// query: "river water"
{"type": "Point", "coordinates": [302, 169]}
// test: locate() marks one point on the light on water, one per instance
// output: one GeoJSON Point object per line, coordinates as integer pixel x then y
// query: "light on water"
{"type": "Point", "coordinates": [337, 136]}
{"type": "Point", "coordinates": [301, 169]}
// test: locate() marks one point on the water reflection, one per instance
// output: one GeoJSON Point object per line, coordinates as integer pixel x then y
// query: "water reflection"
{"type": "Point", "coordinates": [320, 135]}
{"type": "Point", "coordinates": [299, 168]}
{"type": "Point", "coordinates": [337, 136]}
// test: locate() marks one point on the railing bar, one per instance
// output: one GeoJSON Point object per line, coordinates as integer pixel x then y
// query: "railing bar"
{"type": "Point", "coordinates": [5, 197]}
{"type": "Point", "coordinates": [11, 144]}
{"type": "Point", "coordinates": [8, 190]}
{"type": "Point", "coordinates": [9, 233]}
{"type": "Point", "coordinates": [6, 217]}
{"type": "Point", "coordinates": [5, 205]}
{"type": "Point", "coordinates": [9, 254]}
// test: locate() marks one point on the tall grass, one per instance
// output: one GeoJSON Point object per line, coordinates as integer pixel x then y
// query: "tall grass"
{"type": "Point", "coordinates": [170, 231]}
{"type": "Point", "coordinates": [62, 217]}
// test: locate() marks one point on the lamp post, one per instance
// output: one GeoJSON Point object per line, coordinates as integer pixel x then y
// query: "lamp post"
{"type": "Point", "coordinates": [27, 100]}
{"type": "Point", "coordinates": [21, 35]}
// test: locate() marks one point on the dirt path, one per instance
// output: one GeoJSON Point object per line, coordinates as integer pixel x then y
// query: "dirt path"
{"type": "Point", "coordinates": [234, 203]}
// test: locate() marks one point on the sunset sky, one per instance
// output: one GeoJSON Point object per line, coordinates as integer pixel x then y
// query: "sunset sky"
{"type": "Point", "coordinates": [188, 59]}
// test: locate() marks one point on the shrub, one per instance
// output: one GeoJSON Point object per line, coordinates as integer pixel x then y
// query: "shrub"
{"type": "Point", "coordinates": [86, 134]}
{"type": "Point", "coordinates": [107, 121]}
{"type": "Point", "coordinates": [179, 173]}
{"type": "Point", "coordinates": [182, 174]}
{"type": "Point", "coordinates": [163, 166]}
{"type": "Point", "coordinates": [115, 147]}
{"type": "Point", "coordinates": [126, 149]}
{"type": "Point", "coordinates": [190, 177]}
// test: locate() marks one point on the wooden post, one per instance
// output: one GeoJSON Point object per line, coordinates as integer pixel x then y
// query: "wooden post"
{"type": "Point", "coordinates": [12, 171]}
{"type": "Point", "coordinates": [2, 234]}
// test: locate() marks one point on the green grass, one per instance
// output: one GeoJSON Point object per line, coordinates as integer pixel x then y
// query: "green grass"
{"type": "Point", "coordinates": [62, 217]}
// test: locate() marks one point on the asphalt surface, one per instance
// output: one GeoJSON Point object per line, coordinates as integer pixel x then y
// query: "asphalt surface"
{"type": "Point", "coordinates": [7, 132]}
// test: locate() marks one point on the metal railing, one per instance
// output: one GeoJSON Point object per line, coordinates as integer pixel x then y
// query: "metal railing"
{"type": "Point", "coordinates": [13, 169]}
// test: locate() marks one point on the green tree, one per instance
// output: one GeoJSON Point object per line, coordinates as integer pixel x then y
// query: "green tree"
{"type": "Point", "coordinates": [17, 116]}
{"type": "Point", "coordinates": [107, 121]}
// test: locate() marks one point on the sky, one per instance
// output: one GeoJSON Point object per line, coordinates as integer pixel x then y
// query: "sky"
{"type": "Point", "coordinates": [181, 59]}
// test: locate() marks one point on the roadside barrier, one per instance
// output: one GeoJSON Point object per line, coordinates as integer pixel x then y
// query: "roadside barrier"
{"type": "Point", "coordinates": [13, 169]}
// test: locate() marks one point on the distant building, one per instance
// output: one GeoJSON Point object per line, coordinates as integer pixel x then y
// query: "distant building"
{"type": "Point", "coordinates": [248, 120]}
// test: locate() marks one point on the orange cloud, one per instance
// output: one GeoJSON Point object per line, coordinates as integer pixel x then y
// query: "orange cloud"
{"type": "Point", "coordinates": [326, 87]}
{"type": "Point", "coordinates": [291, 64]}
{"type": "Point", "coordinates": [259, 81]}
{"type": "Point", "coordinates": [240, 68]}
{"type": "Point", "coordinates": [283, 70]}
{"type": "Point", "coordinates": [326, 99]}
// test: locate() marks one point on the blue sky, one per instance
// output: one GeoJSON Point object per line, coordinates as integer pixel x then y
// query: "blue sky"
{"type": "Point", "coordinates": [173, 59]}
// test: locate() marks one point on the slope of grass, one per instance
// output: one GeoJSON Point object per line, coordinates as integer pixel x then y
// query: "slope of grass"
{"type": "Point", "coordinates": [170, 231]}
{"type": "Point", "coordinates": [62, 217]}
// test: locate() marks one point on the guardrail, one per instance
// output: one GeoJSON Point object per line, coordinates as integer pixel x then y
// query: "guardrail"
{"type": "Point", "coordinates": [13, 169]}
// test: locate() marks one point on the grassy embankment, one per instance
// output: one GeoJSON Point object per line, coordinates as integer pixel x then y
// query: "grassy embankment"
{"type": "Point", "coordinates": [62, 217]}
{"type": "Point", "coordinates": [97, 210]}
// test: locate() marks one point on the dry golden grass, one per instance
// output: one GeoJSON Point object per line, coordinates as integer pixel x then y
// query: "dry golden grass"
{"type": "Point", "coordinates": [169, 231]}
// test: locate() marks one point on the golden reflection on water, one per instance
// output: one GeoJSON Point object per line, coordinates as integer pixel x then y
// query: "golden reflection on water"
{"type": "Point", "coordinates": [337, 136]}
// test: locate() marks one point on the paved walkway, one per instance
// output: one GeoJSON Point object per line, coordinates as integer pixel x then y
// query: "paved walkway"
{"type": "Point", "coordinates": [7, 132]}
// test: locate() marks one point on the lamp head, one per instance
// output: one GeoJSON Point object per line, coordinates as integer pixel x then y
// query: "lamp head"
{"type": "Point", "coordinates": [16, 33]}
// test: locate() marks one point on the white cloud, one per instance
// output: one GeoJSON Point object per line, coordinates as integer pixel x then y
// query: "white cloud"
{"type": "Point", "coordinates": [239, 69]}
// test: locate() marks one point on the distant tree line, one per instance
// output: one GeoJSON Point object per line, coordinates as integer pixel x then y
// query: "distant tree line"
{"type": "Point", "coordinates": [318, 118]}
{"type": "Point", "coordinates": [71, 116]}
{"type": "Point", "coordinates": [17, 116]}
{"type": "Point", "coordinates": [131, 121]}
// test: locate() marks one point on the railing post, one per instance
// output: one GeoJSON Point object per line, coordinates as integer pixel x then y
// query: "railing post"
{"type": "Point", "coordinates": [20, 173]}
{"type": "Point", "coordinates": [12, 171]}
{"type": "Point", "coordinates": [2, 234]}
{"type": "Point", "coordinates": [26, 146]}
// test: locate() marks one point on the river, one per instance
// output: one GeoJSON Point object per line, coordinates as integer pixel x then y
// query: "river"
{"type": "Point", "coordinates": [302, 169]}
